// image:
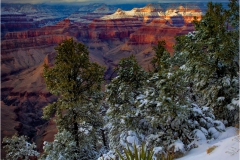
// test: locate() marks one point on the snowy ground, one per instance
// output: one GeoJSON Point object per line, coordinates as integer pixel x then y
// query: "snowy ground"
{"type": "Point", "coordinates": [227, 147]}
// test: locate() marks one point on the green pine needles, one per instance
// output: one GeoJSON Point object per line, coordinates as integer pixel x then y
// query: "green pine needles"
{"type": "Point", "coordinates": [209, 58]}
{"type": "Point", "coordinates": [77, 82]}
{"type": "Point", "coordinates": [18, 147]}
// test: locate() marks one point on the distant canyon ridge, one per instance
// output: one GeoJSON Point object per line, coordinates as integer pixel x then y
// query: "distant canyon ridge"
{"type": "Point", "coordinates": [29, 34]}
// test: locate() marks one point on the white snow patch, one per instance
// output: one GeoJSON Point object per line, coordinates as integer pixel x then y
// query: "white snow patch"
{"type": "Point", "coordinates": [108, 156]}
{"type": "Point", "coordinates": [200, 135]}
{"type": "Point", "coordinates": [132, 139]}
{"type": "Point", "coordinates": [157, 150]}
{"type": "Point", "coordinates": [220, 99]}
{"type": "Point", "coordinates": [227, 148]}
{"type": "Point", "coordinates": [198, 110]}
{"type": "Point", "coordinates": [220, 126]}
{"type": "Point", "coordinates": [235, 101]}
{"type": "Point", "coordinates": [178, 146]}
{"type": "Point", "coordinates": [141, 96]}
{"type": "Point", "coordinates": [204, 131]}
{"type": "Point", "coordinates": [215, 134]}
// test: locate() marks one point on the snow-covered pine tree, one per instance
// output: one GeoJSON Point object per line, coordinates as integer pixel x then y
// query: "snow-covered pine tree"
{"type": "Point", "coordinates": [121, 94]}
{"type": "Point", "coordinates": [211, 61]}
{"type": "Point", "coordinates": [18, 147]}
{"type": "Point", "coordinates": [162, 107]}
{"type": "Point", "coordinates": [77, 81]}
{"type": "Point", "coordinates": [164, 103]}
{"type": "Point", "coordinates": [64, 147]}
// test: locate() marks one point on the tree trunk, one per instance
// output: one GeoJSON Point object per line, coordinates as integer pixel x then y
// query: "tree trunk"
{"type": "Point", "coordinates": [75, 130]}
{"type": "Point", "coordinates": [104, 138]}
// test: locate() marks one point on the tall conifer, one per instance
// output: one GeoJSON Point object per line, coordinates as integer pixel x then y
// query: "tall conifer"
{"type": "Point", "coordinates": [77, 82]}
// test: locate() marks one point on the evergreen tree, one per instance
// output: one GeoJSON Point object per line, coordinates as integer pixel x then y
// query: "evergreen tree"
{"type": "Point", "coordinates": [210, 59]}
{"type": "Point", "coordinates": [77, 82]}
{"type": "Point", "coordinates": [158, 111]}
{"type": "Point", "coordinates": [121, 94]}
{"type": "Point", "coordinates": [165, 103]}
{"type": "Point", "coordinates": [18, 147]}
{"type": "Point", "coordinates": [169, 111]}
{"type": "Point", "coordinates": [64, 147]}
{"type": "Point", "coordinates": [161, 55]}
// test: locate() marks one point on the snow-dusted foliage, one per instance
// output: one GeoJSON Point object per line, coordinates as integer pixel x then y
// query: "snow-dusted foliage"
{"type": "Point", "coordinates": [108, 156]}
{"type": "Point", "coordinates": [159, 112]}
{"type": "Point", "coordinates": [120, 96]}
{"type": "Point", "coordinates": [18, 147]}
{"type": "Point", "coordinates": [64, 147]}
{"type": "Point", "coordinates": [170, 105]}
{"type": "Point", "coordinates": [210, 59]}
{"type": "Point", "coordinates": [176, 105]}
{"type": "Point", "coordinates": [174, 117]}
{"type": "Point", "coordinates": [206, 127]}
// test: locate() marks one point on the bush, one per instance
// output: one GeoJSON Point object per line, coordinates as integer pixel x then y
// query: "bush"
{"type": "Point", "coordinates": [18, 147]}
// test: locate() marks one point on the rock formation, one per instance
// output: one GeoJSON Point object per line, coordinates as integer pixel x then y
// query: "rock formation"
{"type": "Point", "coordinates": [110, 35]}
{"type": "Point", "coordinates": [19, 17]}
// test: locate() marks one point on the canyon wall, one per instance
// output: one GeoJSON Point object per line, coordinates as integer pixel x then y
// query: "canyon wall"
{"type": "Point", "coordinates": [110, 34]}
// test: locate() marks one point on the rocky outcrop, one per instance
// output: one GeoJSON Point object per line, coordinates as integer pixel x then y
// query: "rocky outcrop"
{"type": "Point", "coordinates": [22, 85]}
{"type": "Point", "coordinates": [87, 14]}
{"type": "Point", "coordinates": [146, 25]}
{"type": "Point", "coordinates": [121, 24]}
{"type": "Point", "coordinates": [104, 9]}
{"type": "Point", "coordinates": [19, 17]}
{"type": "Point", "coordinates": [44, 36]}
{"type": "Point", "coordinates": [23, 56]}
{"type": "Point", "coordinates": [158, 29]}
{"type": "Point", "coordinates": [23, 96]}
{"type": "Point", "coordinates": [16, 22]}
{"type": "Point", "coordinates": [115, 28]}
{"type": "Point", "coordinates": [48, 30]}
{"type": "Point", "coordinates": [27, 92]}
{"type": "Point", "coordinates": [145, 14]}
{"type": "Point", "coordinates": [33, 42]}
{"type": "Point", "coordinates": [183, 13]}
{"type": "Point", "coordinates": [15, 61]}
{"type": "Point", "coordinates": [9, 123]}
{"type": "Point", "coordinates": [25, 49]}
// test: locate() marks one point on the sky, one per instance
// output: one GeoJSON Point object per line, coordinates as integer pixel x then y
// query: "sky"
{"type": "Point", "coordinates": [105, 1]}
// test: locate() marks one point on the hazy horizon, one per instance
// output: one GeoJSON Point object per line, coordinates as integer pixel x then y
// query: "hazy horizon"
{"type": "Point", "coordinates": [104, 1]}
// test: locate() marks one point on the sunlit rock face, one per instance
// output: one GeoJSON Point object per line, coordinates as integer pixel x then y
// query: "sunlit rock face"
{"type": "Point", "coordinates": [183, 14]}
{"type": "Point", "coordinates": [145, 14]}
{"type": "Point", "coordinates": [147, 25]}
{"type": "Point", "coordinates": [158, 29]}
